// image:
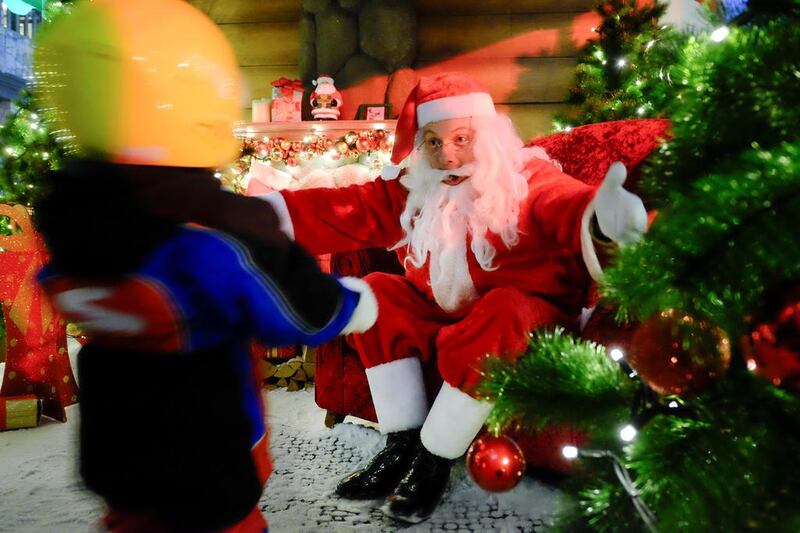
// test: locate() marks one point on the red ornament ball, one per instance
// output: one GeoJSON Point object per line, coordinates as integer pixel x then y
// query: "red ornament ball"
{"type": "Point", "coordinates": [496, 464]}
{"type": "Point", "coordinates": [772, 348]}
{"type": "Point", "coordinates": [364, 144]}
{"type": "Point", "coordinates": [676, 354]}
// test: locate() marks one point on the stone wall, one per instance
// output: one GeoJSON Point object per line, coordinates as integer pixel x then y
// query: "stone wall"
{"type": "Point", "coordinates": [362, 44]}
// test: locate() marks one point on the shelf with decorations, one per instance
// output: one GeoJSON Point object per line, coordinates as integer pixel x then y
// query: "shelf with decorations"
{"type": "Point", "coordinates": [306, 154]}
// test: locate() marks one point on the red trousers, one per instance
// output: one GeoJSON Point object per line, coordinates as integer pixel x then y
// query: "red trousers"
{"type": "Point", "coordinates": [411, 325]}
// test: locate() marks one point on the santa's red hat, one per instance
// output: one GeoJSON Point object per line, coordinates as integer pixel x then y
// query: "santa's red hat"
{"type": "Point", "coordinates": [440, 97]}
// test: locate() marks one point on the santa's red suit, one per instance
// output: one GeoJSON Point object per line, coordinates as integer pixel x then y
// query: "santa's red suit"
{"type": "Point", "coordinates": [539, 282]}
{"type": "Point", "coordinates": [494, 239]}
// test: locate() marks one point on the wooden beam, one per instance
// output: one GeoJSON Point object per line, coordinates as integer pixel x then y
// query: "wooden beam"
{"type": "Point", "coordinates": [263, 43]}
{"type": "Point", "coordinates": [499, 7]}
{"type": "Point", "coordinates": [533, 120]}
{"type": "Point", "coordinates": [258, 79]}
{"type": "Point", "coordinates": [236, 11]}
{"type": "Point", "coordinates": [514, 80]}
{"type": "Point", "coordinates": [203, 5]}
{"type": "Point", "coordinates": [529, 35]}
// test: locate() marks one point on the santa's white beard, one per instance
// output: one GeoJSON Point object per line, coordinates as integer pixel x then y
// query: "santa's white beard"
{"type": "Point", "coordinates": [438, 220]}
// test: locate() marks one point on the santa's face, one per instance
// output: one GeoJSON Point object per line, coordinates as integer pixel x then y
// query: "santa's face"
{"type": "Point", "coordinates": [447, 145]}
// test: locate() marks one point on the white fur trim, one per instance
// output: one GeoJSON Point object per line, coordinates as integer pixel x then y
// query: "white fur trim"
{"type": "Point", "coordinates": [453, 288]}
{"type": "Point", "coordinates": [454, 420]}
{"type": "Point", "coordinates": [278, 203]}
{"type": "Point", "coordinates": [398, 394]}
{"type": "Point", "coordinates": [586, 314]}
{"type": "Point", "coordinates": [587, 246]}
{"type": "Point", "coordinates": [537, 152]}
{"type": "Point", "coordinates": [464, 105]}
{"type": "Point", "coordinates": [390, 172]}
{"type": "Point", "coordinates": [366, 312]}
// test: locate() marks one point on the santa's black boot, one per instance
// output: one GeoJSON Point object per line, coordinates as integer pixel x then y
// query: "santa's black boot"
{"type": "Point", "coordinates": [382, 474]}
{"type": "Point", "coordinates": [421, 489]}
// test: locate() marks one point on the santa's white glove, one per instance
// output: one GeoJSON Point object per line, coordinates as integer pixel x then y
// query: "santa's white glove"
{"type": "Point", "coordinates": [620, 214]}
{"type": "Point", "coordinates": [366, 312]}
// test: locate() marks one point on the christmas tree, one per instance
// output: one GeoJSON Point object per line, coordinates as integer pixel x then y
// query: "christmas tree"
{"type": "Point", "coordinates": [625, 72]}
{"type": "Point", "coordinates": [695, 424]}
{"type": "Point", "coordinates": [29, 149]}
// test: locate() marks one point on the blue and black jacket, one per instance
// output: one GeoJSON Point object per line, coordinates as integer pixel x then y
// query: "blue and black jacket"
{"type": "Point", "coordinates": [172, 278]}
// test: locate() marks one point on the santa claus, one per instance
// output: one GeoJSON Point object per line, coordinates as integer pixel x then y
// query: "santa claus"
{"type": "Point", "coordinates": [491, 235]}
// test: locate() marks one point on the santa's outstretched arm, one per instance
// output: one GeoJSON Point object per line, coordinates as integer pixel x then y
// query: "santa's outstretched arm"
{"type": "Point", "coordinates": [337, 220]}
{"type": "Point", "coordinates": [567, 208]}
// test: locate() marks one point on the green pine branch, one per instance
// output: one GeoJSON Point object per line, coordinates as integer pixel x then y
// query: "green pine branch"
{"type": "Point", "coordinates": [715, 251]}
{"type": "Point", "coordinates": [735, 92]}
{"type": "Point", "coordinates": [726, 469]}
{"type": "Point", "coordinates": [28, 153]}
{"type": "Point", "coordinates": [625, 72]}
{"type": "Point", "coordinates": [559, 380]}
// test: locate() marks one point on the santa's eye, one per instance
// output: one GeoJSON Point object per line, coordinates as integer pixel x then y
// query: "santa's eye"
{"type": "Point", "coordinates": [434, 143]}
{"type": "Point", "coordinates": [462, 140]}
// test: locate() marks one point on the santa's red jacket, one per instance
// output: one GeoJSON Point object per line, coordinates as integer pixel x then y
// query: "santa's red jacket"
{"type": "Point", "coordinates": [538, 282]}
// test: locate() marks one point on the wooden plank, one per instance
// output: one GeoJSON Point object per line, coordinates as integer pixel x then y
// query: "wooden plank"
{"type": "Point", "coordinates": [203, 5]}
{"type": "Point", "coordinates": [514, 81]}
{"type": "Point", "coordinates": [258, 79]}
{"type": "Point", "coordinates": [525, 35]}
{"type": "Point", "coordinates": [232, 11]}
{"type": "Point", "coordinates": [264, 43]}
{"type": "Point", "coordinates": [533, 120]}
{"type": "Point", "coordinates": [489, 7]}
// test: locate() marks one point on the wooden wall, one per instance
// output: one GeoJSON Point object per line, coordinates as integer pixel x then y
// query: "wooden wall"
{"type": "Point", "coordinates": [523, 50]}
{"type": "Point", "coordinates": [264, 34]}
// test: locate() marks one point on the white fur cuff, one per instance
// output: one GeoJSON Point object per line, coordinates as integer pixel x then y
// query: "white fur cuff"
{"type": "Point", "coordinates": [454, 420]}
{"type": "Point", "coordinates": [366, 312]}
{"type": "Point", "coordinates": [398, 394]}
{"type": "Point", "coordinates": [587, 246]}
{"type": "Point", "coordinates": [390, 172]}
{"type": "Point", "coordinates": [278, 203]}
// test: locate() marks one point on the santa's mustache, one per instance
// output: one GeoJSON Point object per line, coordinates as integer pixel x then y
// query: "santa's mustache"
{"type": "Point", "coordinates": [435, 176]}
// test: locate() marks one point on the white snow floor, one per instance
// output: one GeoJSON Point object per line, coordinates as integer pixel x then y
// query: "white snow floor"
{"type": "Point", "coordinates": [41, 492]}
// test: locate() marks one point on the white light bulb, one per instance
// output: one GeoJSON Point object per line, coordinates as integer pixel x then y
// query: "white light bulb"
{"type": "Point", "coordinates": [673, 404]}
{"type": "Point", "coordinates": [719, 34]}
{"type": "Point", "coordinates": [628, 433]}
{"type": "Point", "coordinates": [621, 62]}
{"type": "Point", "coordinates": [570, 452]}
{"type": "Point", "coordinates": [751, 365]}
{"type": "Point", "coordinates": [217, 175]}
{"type": "Point", "coordinates": [640, 110]}
{"type": "Point", "coordinates": [616, 354]}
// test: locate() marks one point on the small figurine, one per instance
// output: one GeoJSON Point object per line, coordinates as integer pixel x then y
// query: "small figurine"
{"type": "Point", "coordinates": [325, 100]}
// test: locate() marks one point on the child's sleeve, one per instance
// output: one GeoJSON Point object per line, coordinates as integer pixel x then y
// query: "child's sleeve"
{"type": "Point", "coordinates": [279, 294]}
